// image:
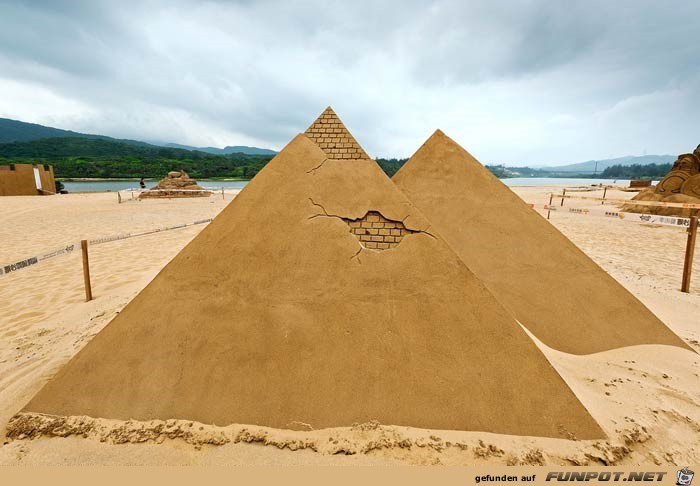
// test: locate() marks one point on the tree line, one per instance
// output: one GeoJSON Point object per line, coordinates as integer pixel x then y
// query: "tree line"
{"type": "Point", "coordinates": [74, 157]}
{"type": "Point", "coordinates": [636, 171]}
{"type": "Point", "coordinates": [96, 158]}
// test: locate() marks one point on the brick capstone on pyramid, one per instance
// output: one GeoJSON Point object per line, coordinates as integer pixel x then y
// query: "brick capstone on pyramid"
{"type": "Point", "coordinates": [329, 133]}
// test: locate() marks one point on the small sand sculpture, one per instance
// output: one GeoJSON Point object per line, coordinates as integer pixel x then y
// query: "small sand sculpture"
{"type": "Point", "coordinates": [176, 184]}
{"type": "Point", "coordinates": [681, 185]}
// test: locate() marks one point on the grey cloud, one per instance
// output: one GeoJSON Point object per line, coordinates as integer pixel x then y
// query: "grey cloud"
{"type": "Point", "coordinates": [524, 82]}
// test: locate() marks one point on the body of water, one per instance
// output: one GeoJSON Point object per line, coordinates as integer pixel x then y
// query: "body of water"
{"type": "Point", "coordinates": [105, 186]}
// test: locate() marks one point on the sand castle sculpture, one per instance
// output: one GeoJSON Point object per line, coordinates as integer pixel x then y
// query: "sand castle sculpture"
{"type": "Point", "coordinates": [681, 185]}
{"type": "Point", "coordinates": [176, 184]}
{"type": "Point", "coordinates": [549, 285]}
{"type": "Point", "coordinates": [321, 295]}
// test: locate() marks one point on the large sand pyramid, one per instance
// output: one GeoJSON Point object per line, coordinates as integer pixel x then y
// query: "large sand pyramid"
{"type": "Point", "coordinates": [549, 285]}
{"type": "Point", "coordinates": [321, 296]}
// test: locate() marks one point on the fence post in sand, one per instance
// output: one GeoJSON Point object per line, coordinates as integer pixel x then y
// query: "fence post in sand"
{"type": "Point", "coordinates": [563, 193]}
{"type": "Point", "coordinates": [551, 196]}
{"type": "Point", "coordinates": [86, 271]}
{"type": "Point", "coordinates": [605, 191]}
{"type": "Point", "coordinates": [689, 252]}
{"type": "Point", "coordinates": [222, 192]}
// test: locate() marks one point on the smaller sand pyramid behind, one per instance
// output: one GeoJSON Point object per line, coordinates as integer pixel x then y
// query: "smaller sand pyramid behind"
{"type": "Point", "coordinates": [549, 284]}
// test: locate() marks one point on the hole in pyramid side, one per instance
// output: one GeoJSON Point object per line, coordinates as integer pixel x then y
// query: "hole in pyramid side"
{"type": "Point", "coordinates": [375, 232]}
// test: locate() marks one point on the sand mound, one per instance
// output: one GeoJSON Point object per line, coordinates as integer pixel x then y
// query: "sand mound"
{"type": "Point", "coordinates": [294, 321]}
{"type": "Point", "coordinates": [550, 285]}
{"type": "Point", "coordinates": [176, 184]}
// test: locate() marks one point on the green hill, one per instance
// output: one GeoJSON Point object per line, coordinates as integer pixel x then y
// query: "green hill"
{"type": "Point", "coordinates": [74, 157]}
{"type": "Point", "coordinates": [90, 147]}
{"type": "Point", "coordinates": [19, 131]}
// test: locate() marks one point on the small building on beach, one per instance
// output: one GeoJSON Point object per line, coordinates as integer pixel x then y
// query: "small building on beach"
{"type": "Point", "coordinates": [26, 180]}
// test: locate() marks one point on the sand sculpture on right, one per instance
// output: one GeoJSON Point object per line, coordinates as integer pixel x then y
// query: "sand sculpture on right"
{"type": "Point", "coordinates": [680, 185]}
{"type": "Point", "coordinates": [551, 287]}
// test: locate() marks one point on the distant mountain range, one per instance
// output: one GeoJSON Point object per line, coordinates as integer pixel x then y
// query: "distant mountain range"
{"type": "Point", "coordinates": [14, 131]}
{"type": "Point", "coordinates": [19, 131]}
{"type": "Point", "coordinates": [235, 149]}
{"type": "Point", "coordinates": [591, 166]}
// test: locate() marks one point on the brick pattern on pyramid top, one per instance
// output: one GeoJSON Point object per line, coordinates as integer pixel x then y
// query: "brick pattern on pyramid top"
{"type": "Point", "coordinates": [329, 133]}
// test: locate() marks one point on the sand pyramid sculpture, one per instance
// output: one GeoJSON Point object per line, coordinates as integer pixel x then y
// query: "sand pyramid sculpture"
{"type": "Point", "coordinates": [564, 298]}
{"type": "Point", "coordinates": [319, 296]}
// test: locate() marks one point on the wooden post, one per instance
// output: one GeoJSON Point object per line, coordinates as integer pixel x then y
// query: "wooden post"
{"type": "Point", "coordinates": [551, 195]}
{"type": "Point", "coordinates": [119, 197]}
{"type": "Point", "coordinates": [86, 271]}
{"type": "Point", "coordinates": [605, 191]}
{"type": "Point", "coordinates": [689, 252]}
{"type": "Point", "coordinates": [563, 193]}
{"type": "Point", "coordinates": [222, 192]}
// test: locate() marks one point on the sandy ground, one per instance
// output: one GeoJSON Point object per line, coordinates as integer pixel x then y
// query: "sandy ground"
{"type": "Point", "coordinates": [646, 398]}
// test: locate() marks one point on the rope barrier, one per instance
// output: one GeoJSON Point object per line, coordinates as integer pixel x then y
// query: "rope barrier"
{"type": "Point", "coordinates": [123, 236]}
{"type": "Point", "coordinates": [67, 249]}
{"type": "Point", "coordinates": [204, 189]}
{"type": "Point", "coordinates": [209, 191]}
{"type": "Point", "coordinates": [632, 202]}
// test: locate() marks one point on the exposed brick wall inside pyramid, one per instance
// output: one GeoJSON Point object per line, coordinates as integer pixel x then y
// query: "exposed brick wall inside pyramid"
{"type": "Point", "coordinates": [329, 133]}
{"type": "Point", "coordinates": [376, 232]}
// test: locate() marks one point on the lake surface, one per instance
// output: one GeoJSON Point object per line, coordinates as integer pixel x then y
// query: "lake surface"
{"type": "Point", "coordinates": [105, 186]}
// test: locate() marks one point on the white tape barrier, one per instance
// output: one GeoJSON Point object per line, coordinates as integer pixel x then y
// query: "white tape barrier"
{"type": "Point", "coordinates": [620, 215]}
{"type": "Point", "coordinates": [631, 202]}
{"type": "Point", "coordinates": [65, 250]}
{"type": "Point", "coordinates": [28, 262]}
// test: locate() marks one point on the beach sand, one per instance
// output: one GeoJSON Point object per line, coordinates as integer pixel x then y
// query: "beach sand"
{"type": "Point", "coordinates": [646, 398]}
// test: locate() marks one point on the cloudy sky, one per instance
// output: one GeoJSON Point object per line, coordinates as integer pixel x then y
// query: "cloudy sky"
{"type": "Point", "coordinates": [517, 82]}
